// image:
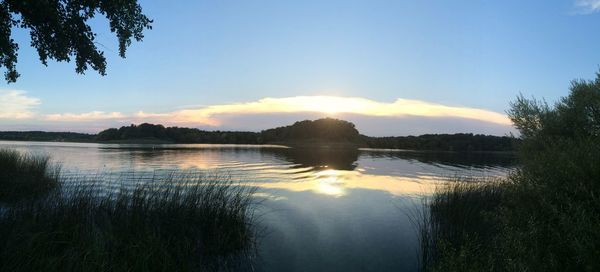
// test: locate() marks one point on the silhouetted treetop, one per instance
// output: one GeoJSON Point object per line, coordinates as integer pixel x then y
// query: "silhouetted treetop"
{"type": "Point", "coordinates": [147, 131]}
{"type": "Point", "coordinates": [60, 31]}
{"type": "Point", "coordinates": [574, 116]}
{"type": "Point", "coordinates": [326, 129]}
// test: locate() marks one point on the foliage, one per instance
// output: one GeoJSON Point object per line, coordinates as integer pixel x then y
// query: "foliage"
{"type": "Point", "coordinates": [324, 130]}
{"type": "Point", "coordinates": [177, 135]}
{"type": "Point", "coordinates": [553, 214]}
{"type": "Point", "coordinates": [318, 130]}
{"type": "Point", "coordinates": [548, 217]}
{"type": "Point", "coordinates": [445, 142]}
{"type": "Point", "coordinates": [60, 31]}
{"type": "Point", "coordinates": [46, 136]}
{"type": "Point", "coordinates": [23, 176]}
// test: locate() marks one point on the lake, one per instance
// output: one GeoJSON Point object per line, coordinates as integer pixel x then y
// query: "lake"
{"type": "Point", "coordinates": [322, 209]}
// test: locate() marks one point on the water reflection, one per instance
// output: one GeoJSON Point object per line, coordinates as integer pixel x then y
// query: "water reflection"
{"type": "Point", "coordinates": [327, 171]}
{"type": "Point", "coordinates": [338, 182]}
{"type": "Point", "coordinates": [469, 159]}
{"type": "Point", "coordinates": [362, 231]}
{"type": "Point", "coordinates": [325, 209]}
{"type": "Point", "coordinates": [331, 158]}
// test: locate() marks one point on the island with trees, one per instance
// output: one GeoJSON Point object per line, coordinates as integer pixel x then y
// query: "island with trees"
{"type": "Point", "coordinates": [320, 132]}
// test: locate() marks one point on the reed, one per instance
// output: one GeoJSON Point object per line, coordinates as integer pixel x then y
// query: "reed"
{"type": "Point", "coordinates": [455, 224]}
{"type": "Point", "coordinates": [177, 222]}
{"type": "Point", "coordinates": [23, 176]}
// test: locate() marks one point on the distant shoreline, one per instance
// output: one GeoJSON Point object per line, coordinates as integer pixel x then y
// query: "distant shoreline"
{"type": "Point", "coordinates": [326, 132]}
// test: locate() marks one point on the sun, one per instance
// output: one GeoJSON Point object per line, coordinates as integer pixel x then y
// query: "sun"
{"type": "Point", "coordinates": [330, 104]}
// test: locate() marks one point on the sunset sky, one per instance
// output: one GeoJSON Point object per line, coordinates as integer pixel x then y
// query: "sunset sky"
{"type": "Point", "coordinates": [391, 67]}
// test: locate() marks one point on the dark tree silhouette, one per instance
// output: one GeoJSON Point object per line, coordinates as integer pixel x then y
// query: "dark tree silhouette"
{"type": "Point", "coordinates": [320, 131]}
{"type": "Point", "coordinates": [59, 30]}
{"type": "Point", "coordinates": [324, 130]}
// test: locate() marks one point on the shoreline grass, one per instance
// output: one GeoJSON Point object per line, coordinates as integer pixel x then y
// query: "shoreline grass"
{"type": "Point", "coordinates": [25, 176]}
{"type": "Point", "coordinates": [181, 222]}
{"type": "Point", "coordinates": [543, 217]}
{"type": "Point", "coordinates": [456, 223]}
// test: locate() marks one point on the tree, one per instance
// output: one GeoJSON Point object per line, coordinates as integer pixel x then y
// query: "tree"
{"type": "Point", "coordinates": [59, 30]}
{"type": "Point", "coordinates": [574, 116]}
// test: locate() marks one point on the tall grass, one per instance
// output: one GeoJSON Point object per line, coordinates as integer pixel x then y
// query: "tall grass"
{"type": "Point", "coordinates": [181, 222]}
{"type": "Point", "coordinates": [455, 221]}
{"type": "Point", "coordinates": [24, 176]}
{"type": "Point", "coordinates": [527, 222]}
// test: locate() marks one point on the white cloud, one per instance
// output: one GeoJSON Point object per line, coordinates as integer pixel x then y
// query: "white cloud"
{"type": "Point", "coordinates": [330, 105]}
{"type": "Point", "coordinates": [404, 116]}
{"type": "Point", "coordinates": [327, 105]}
{"type": "Point", "coordinates": [587, 6]}
{"type": "Point", "coordinates": [14, 104]}
{"type": "Point", "coordinates": [84, 117]}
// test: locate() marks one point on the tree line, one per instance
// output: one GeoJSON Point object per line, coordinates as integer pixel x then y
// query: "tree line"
{"type": "Point", "coordinates": [177, 135]}
{"type": "Point", "coordinates": [43, 136]}
{"type": "Point", "coordinates": [320, 131]}
{"type": "Point", "coordinates": [445, 142]}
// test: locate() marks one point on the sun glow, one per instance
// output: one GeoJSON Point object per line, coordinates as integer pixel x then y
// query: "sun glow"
{"type": "Point", "coordinates": [328, 183]}
{"type": "Point", "coordinates": [338, 105]}
{"type": "Point", "coordinates": [329, 105]}
{"type": "Point", "coordinates": [339, 183]}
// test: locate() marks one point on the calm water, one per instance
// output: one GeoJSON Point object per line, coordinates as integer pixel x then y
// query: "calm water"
{"type": "Point", "coordinates": [323, 210]}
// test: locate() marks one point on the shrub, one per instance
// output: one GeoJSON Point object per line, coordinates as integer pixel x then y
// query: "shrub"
{"type": "Point", "coordinates": [547, 217]}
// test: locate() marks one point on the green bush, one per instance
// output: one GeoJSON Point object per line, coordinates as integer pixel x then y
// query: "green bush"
{"type": "Point", "coordinates": [547, 217]}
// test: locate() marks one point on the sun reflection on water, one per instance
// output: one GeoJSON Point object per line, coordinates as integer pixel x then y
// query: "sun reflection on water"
{"type": "Point", "coordinates": [338, 183]}
{"type": "Point", "coordinates": [329, 182]}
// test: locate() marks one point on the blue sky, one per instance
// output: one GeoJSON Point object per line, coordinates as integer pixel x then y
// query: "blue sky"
{"type": "Point", "coordinates": [474, 55]}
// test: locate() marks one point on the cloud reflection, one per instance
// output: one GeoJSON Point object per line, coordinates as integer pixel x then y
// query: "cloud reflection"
{"type": "Point", "coordinates": [338, 183]}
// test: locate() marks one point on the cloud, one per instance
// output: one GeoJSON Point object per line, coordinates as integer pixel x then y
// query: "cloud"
{"type": "Point", "coordinates": [332, 105]}
{"type": "Point", "coordinates": [587, 6]}
{"type": "Point", "coordinates": [84, 117]}
{"type": "Point", "coordinates": [14, 104]}
{"type": "Point", "coordinates": [399, 117]}
{"type": "Point", "coordinates": [328, 105]}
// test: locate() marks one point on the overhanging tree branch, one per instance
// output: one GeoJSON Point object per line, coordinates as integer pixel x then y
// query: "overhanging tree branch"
{"type": "Point", "coordinates": [59, 30]}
